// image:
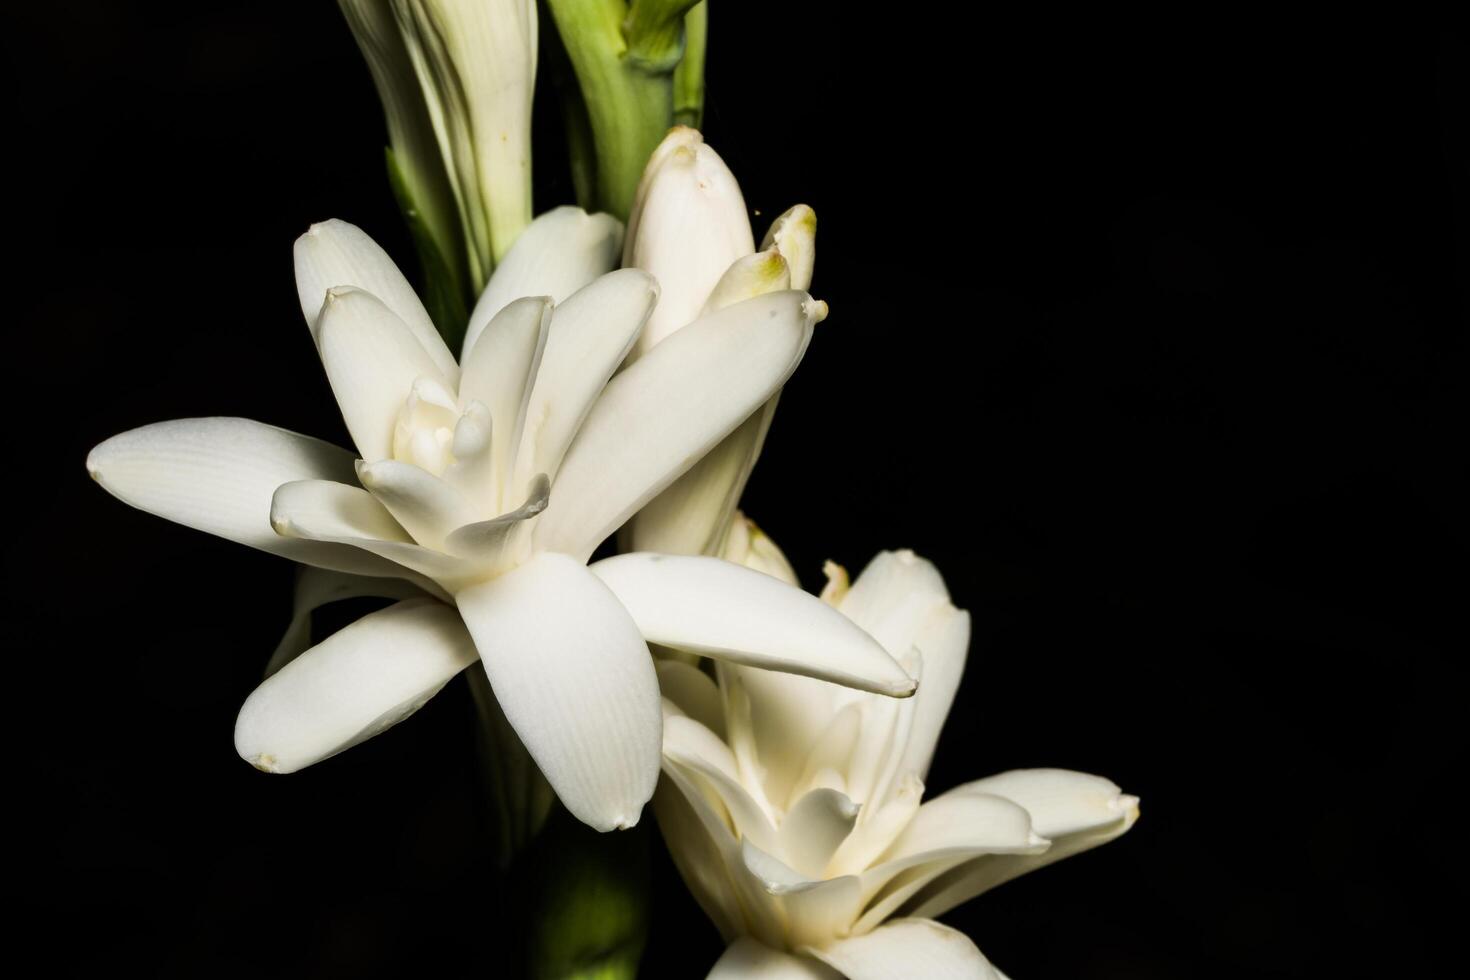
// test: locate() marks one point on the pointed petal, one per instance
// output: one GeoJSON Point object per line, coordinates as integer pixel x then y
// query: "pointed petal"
{"type": "Point", "coordinates": [359, 682]}
{"type": "Point", "coordinates": [794, 235]}
{"type": "Point", "coordinates": [656, 418]}
{"type": "Point", "coordinates": [724, 610]}
{"type": "Point", "coordinates": [218, 475]}
{"type": "Point", "coordinates": [372, 360]}
{"type": "Point", "coordinates": [697, 750]}
{"type": "Point", "coordinates": [427, 507]}
{"type": "Point", "coordinates": [324, 511]}
{"type": "Point", "coordinates": [504, 541]}
{"type": "Point", "coordinates": [559, 253]}
{"type": "Point", "coordinates": [747, 959]}
{"type": "Point", "coordinates": [500, 372]}
{"type": "Point", "coordinates": [895, 597]}
{"type": "Point", "coordinates": [1075, 810]}
{"type": "Point", "coordinates": [334, 253]}
{"type": "Point", "coordinates": [752, 275]}
{"type": "Point", "coordinates": [576, 681]}
{"type": "Point", "coordinates": [317, 587]}
{"type": "Point", "coordinates": [943, 643]}
{"type": "Point", "coordinates": [908, 948]}
{"type": "Point", "coordinates": [590, 335]}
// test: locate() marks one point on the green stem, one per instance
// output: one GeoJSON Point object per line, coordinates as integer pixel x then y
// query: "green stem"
{"type": "Point", "coordinates": [689, 75]}
{"type": "Point", "coordinates": [630, 103]}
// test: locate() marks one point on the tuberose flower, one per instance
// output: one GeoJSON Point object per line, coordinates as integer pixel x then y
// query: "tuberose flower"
{"type": "Point", "coordinates": [793, 807]}
{"type": "Point", "coordinates": [690, 230]}
{"type": "Point", "coordinates": [487, 483]}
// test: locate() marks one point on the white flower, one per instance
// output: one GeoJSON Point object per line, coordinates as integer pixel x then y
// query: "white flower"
{"type": "Point", "coordinates": [690, 230]}
{"type": "Point", "coordinates": [792, 806]}
{"type": "Point", "coordinates": [456, 78]}
{"type": "Point", "coordinates": [488, 484]}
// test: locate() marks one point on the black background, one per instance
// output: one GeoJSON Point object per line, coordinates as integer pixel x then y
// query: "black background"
{"type": "Point", "coordinates": [1148, 332]}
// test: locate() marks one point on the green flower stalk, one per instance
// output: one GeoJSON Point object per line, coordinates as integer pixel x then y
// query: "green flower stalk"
{"type": "Point", "coordinates": [640, 68]}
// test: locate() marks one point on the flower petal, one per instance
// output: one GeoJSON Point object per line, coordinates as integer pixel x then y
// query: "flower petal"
{"type": "Point", "coordinates": [1077, 811]}
{"type": "Point", "coordinates": [334, 253]}
{"type": "Point", "coordinates": [427, 507]}
{"type": "Point", "coordinates": [501, 371]}
{"type": "Point", "coordinates": [218, 475]}
{"type": "Point", "coordinates": [325, 511]}
{"type": "Point", "coordinates": [590, 335]}
{"type": "Point", "coordinates": [576, 681]}
{"type": "Point", "coordinates": [558, 253]}
{"type": "Point", "coordinates": [353, 685]}
{"type": "Point", "coordinates": [693, 692]}
{"type": "Point", "coordinates": [813, 829]}
{"type": "Point", "coordinates": [372, 360]}
{"type": "Point", "coordinates": [943, 643]}
{"type": "Point", "coordinates": [724, 610]}
{"type": "Point", "coordinates": [794, 235]}
{"type": "Point", "coordinates": [908, 948]}
{"type": "Point", "coordinates": [671, 407]}
{"type": "Point", "coordinates": [316, 587]}
{"type": "Point", "coordinates": [817, 909]}
{"type": "Point", "coordinates": [747, 959]}
{"type": "Point", "coordinates": [700, 753]}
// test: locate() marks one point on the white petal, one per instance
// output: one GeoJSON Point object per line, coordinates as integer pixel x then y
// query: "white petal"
{"type": "Point", "coordinates": [943, 643]}
{"type": "Point", "coordinates": [696, 514]}
{"type": "Point", "coordinates": [428, 508]}
{"type": "Point", "coordinates": [360, 681]}
{"type": "Point", "coordinates": [324, 511]}
{"type": "Point", "coordinates": [908, 948]}
{"type": "Point", "coordinates": [576, 681]}
{"type": "Point", "coordinates": [316, 587]}
{"type": "Point", "coordinates": [372, 360]}
{"type": "Point", "coordinates": [752, 275]}
{"type": "Point", "coordinates": [335, 253]}
{"type": "Point", "coordinates": [693, 692]}
{"type": "Point", "coordinates": [945, 831]}
{"type": "Point", "coordinates": [748, 545]}
{"type": "Point", "coordinates": [817, 910]}
{"type": "Point", "coordinates": [691, 224]}
{"type": "Point", "coordinates": [747, 959]}
{"type": "Point", "coordinates": [1077, 811]}
{"type": "Point", "coordinates": [700, 859]}
{"type": "Point", "coordinates": [502, 542]}
{"type": "Point", "coordinates": [690, 745]}
{"type": "Point", "coordinates": [559, 253]}
{"type": "Point", "coordinates": [813, 829]}
{"type": "Point", "coordinates": [501, 371]}
{"type": "Point", "coordinates": [794, 235]}
{"type": "Point", "coordinates": [590, 334]}
{"type": "Point", "coordinates": [895, 597]}
{"type": "Point", "coordinates": [720, 609]}
{"type": "Point", "coordinates": [219, 474]}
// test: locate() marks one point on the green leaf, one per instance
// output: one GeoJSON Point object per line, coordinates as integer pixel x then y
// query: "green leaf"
{"type": "Point", "coordinates": [443, 288]}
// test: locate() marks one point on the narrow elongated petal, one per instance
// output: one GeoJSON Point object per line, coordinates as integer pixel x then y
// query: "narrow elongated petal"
{"type": "Point", "coordinates": [747, 959]}
{"type": "Point", "coordinates": [372, 360]}
{"type": "Point", "coordinates": [943, 643]}
{"type": "Point", "coordinates": [334, 253]}
{"type": "Point", "coordinates": [500, 372]}
{"type": "Point", "coordinates": [724, 610]}
{"type": "Point", "coordinates": [324, 511]}
{"type": "Point", "coordinates": [706, 760]}
{"type": "Point", "coordinates": [317, 587]}
{"type": "Point", "coordinates": [428, 508]}
{"type": "Point", "coordinates": [359, 682]}
{"type": "Point", "coordinates": [817, 909]}
{"type": "Point", "coordinates": [660, 415]}
{"type": "Point", "coordinates": [692, 692]}
{"type": "Point", "coordinates": [908, 948]}
{"type": "Point", "coordinates": [590, 335]}
{"type": "Point", "coordinates": [218, 475]}
{"type": "Point", "coordinates": [576, 681]}
{"type": "Point", "coordinates": [558, 253]}
{"type": "Point", "coordinates": [1077, 811]}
